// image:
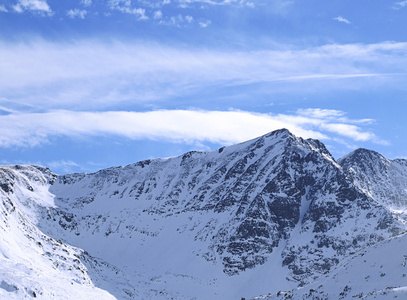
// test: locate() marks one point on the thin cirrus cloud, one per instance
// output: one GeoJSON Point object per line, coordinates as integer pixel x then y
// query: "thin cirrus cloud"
{"type": "Point", "coordinates": [82, 74]}
{"type": "Point", "coordinates": [331, 115]}
{"type": "Point", "coordinates": [190, 126]}
{"type": "Point", "coordinates": [63, 165]}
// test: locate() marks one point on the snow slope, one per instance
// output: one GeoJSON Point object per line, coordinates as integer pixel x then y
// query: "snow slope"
{"type": "Point", "coordinates": [274, 213]}
{"type": "Point", "coordinates": [376, 272]}
{"type": "Point", "coordinates": [34, 265]}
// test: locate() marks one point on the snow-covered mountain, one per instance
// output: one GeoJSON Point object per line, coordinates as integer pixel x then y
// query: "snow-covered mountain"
{"type": "Point", "coordinates": [271, 214]}
{"type": "Point", "coordinates": [382, 179]}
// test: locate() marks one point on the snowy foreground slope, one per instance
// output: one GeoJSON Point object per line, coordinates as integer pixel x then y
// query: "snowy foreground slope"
{"type": "Point", "coordinates": [273, 214]}
{"type": "Point", "coordinates": [33, 265]}
{"type": "Point", "coordinates": [376, 272]}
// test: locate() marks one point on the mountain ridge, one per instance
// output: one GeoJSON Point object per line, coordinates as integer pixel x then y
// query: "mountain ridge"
{"type": "Point", "coordinates": [211, 218]}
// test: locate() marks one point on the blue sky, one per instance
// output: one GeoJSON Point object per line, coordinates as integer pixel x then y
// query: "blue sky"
{"type": "Point", "coordinates": [89, 84]}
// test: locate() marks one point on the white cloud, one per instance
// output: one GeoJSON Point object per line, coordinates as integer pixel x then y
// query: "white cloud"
{"type": "Point", "coordinates": [191, 126]}
{"type": "Point", "coordinates": [85, 74]}
{"type": "Point", "coordinates": [320, 113]}
{"type": "Point", "coordinates": [350, 131]}
{"type": "Point", "coordinates": [76, 13]}
{"type": "Point", "coordinates": [215, 2]}
{"type": "Point", "coordinates": [125, 6]}
{"type": "Point", "coordinates": [342, 20]}
{"type": "Point", "coordinates": [399, 5]}
{"type": "Point", "coordinates": [3, 8]}
{"type": "Point", "coordinates": [331, 114]}
{"type": "Point", "coordinates": [205, 23]}
{"type": "Point", "coordinates": [158, 15]}
{"type": "Point", "coordinates": [334, 121]}
{"type": "Point", "coordinates": [280, 7]}
{"type": "Point", "coordinates": [86, 2]}
{"type": "Point", "coordinates": [65, 166]}
{"type": "Point", "coordinates": [33, 5]}
{"type": "Point", "coordinates": [178, 20]}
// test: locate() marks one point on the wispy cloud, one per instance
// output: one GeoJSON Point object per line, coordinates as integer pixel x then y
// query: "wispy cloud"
{"type": "Point", "coordinates": [85, 74]}
{"type": "Point", "coordinates": [33, 5]}
{"type": "Point", "coordinates": [211, 2]}
{"type": "Point", "coordinates": [342, 20]}
{"type": "Point", "coordinates": [205, 23]}
{"type": "Point", "coordinates": [331, 115]}
{"type": "Point", "coordinates": [399, 5]}
{"type": "Point", "coordinates": [3, 8]}
{"type": "Point", "coordinates": [321, 113]}
{"type": "Point", "coordinates": [76, 13]}
{"type": "Point", "coordinates": [335, 122]}
{"type": "Point", "coordinates": [158, 15]}
{"type": "Point", "coordinates": [178, 21]}
{"type": "Point", "coordinates": [125, 6]}
{"type": "Point", "coordinates": [86, 2]}
{"type": "Point", "coordinates": [188, 126]}
{"type": "Point", "coordinates": [350, 131]}
{"type": "Point", "coordinates": [241, 3]}
{"type": "Point", "coordinates": [65, 166]}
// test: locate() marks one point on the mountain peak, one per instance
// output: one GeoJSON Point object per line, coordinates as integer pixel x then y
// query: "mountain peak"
{"type": "Point", "coordinates": [279, 132]}
{"type": "Point", "coordinates": [361, 154]}
{"type": "Point", "coordinates": [287, 139]}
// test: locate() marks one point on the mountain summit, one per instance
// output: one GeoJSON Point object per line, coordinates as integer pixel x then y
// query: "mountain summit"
{"type": "Point", "coordinates": [276, 212]}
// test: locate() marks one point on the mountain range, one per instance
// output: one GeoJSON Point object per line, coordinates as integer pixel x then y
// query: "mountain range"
{"type": "Point", "coordinates": [276, 217]}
